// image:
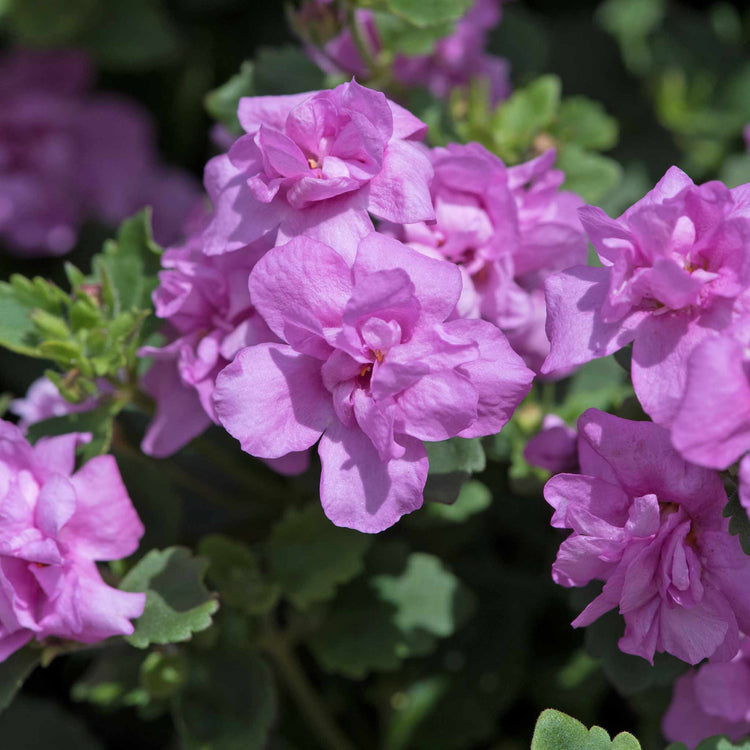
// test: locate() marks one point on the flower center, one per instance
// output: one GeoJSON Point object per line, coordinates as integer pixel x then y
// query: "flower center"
{"type": "Point", "coordinates": [313, 164]}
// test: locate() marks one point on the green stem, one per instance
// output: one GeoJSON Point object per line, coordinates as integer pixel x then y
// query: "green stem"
{"type": "Point", "coordinates": [362, 45]}
{"type": "Point", "coordinates": [302, 692]}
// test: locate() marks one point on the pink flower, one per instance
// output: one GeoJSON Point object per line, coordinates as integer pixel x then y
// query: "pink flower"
{"type": "Point", "coordinates": [456, 60]}
{"type": "Point", "coordinates": [712, 424]}
{"type": "Point", "coordinates": [460, 57]}
{"type": "Point", "coordinates": [205, 303]}
{"type": "Point", "coordinates": [56, 523]}
{"type": "Point", "coordinates": [43, 401]}
{"type": "Point", "coordinates": [507, 230]}
{"type": "Point", "coordinates": [554, 447]}
{"type": "Point", "coordinates": [650, 525]}
{"type": "Point", "coordinates": [371, 365]}
{"type": "Point", "coordinates": [676, 268]}
{"type": "Point", "coordinates": [318, 164]}
{"type": "Point", "coordinates": [711, 700]}
{"type": "Point", "coordinates": [67, 155]}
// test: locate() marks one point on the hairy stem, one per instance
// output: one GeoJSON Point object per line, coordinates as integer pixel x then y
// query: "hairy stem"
{"type": "Point", "coordinates": [295, 680]}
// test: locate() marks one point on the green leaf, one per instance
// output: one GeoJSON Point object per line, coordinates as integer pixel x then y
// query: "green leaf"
{"type": "Point", "coordinates": [473, 498]}
{"type": "Point", "coordinates": [229, 702]}
{"type": "Point", "coordinates": [285, 70]}
{"type": "Point", "coordinates": [162, 674]}
{"type": "Point", "coordinates": [451, 463]}
{"type": "Point", "coordinates": [113, 679]}
{"type": "Point", "coordinates": [412, 706]}
{"type": "Point", "coordinates": [629, 674]}
{"type": "Point", "coordinates": [133, 35]}
{"type": "Point", "coordinates": [14, 671]}
{"type": "Point", "coordinates": [589, 174]}
{"type": "Point", "coordinates": [600, 384]}
{"type": "Point", "coordinates": [739, 523]}
{"type": "Point", "coordinates": [456, 454]}
{"type": "Point", "coordinates": [426, 595]}
{"type": "Point", "coordinates": [32, 723]}
{"type": "Point", "coordinates": [397, 616]}
{"type": "Point", "coordinates": [529, 111]}
{"type": "Point", "coordinates": [235, 572]}
{"type": "Point", "coordinates": [131, 264]}
{"type": "Point", "coordinates": [99, 422]}
{"type": "Point", "coordinates": [17, 330]}
{"type": "Point", "coordinates": [310, 557]}
{"type": "Point", "coordinates": [359, 635]}
{"type": "Point", "coordinates": [429, 12]}
{"type": "Point", "coordinates": [736, 170]}
{"type": "Point", "coordinates": [399, 36]}
{"type": "Point", "coordinates": [275, 71]}
{"type": "Point", "coordinates": [557, 731]}
{"type": "Point", "coordinates": [51, 22]}
{"type": "Point", "coordinates": [631, 18]}
{"type": "Point", "coordinates": [222, 102]}
{"type": "Point", "coordinates": [585, 123]}
{"type": "Point", "coordinates": [177, 602]}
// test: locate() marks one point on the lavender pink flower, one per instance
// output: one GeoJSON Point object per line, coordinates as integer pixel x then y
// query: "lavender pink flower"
{"type": "Point", "coordinates": [711, 700]}
{"type": "Point", "coordinates": [205, 303]}
{"type": "Point", "coordinates": [675, 271]}
{"type": "Point", "coordinates": [554, 447]}
{"type": "Point", "coordinates": [650, 526]}
{"type": "Point", "coordinates": [456, 60]}
{"type": "Point", "coordinates": [56, 524]}
{"type": "Point", "coordinates": [67, 155]}
{"type": "Point", "coordinates": [371, 364]}
{"type": "Point", "coordinates": [318, 164]}
{"type": "Point", "coordinates": [712, 423]}
{"type": "Point", "coordinates": [507, 229]}
{"type": "Point", "coordinates": [43, 401]}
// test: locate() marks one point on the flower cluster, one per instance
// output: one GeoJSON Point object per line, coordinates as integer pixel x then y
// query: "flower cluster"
{"type": "Point", "coordinates": [456, 60]}
{"type": "Point", "coordinates": [290, 320]}
{"type": "Point", "coordinates": [60, 146]}
{"type": "Point", "coordinates": [507, 229]}
{"type": "Point", "coordinates": [675, 282]}
{"type": "Point", "coordinates": [56, 523]}
{"type": "Point", "coordinates": [675, 271]}
{"type": "Point", "coordinates": [713, 699]}
{"type": "Point", "coordinates": [370, 361]}
{"type": "Point", "coordinates": [650, 525]}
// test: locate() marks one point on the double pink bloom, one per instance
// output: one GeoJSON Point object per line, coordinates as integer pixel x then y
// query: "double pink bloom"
{"type": "Point", "coordinates": [55, 524]}
{"type": "Point", "coordinates": [372, 363]}
{"type": "Point", "coordinates": [650, 526]}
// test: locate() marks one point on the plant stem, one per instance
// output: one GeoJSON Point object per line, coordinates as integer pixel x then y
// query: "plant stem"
{"type": "Point", "coordinates": [360, 42]}
{"type": "Point", "coordinates": [302, 692]}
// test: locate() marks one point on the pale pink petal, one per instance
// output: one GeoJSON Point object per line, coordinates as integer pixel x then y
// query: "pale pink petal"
{"type": "Point", "coordinates": [437, 282]}
{"type": "Point", "coordinates": [360, 491]}
{"type": "Point", "coordinates": [575, 329]}
{"type": "Point", "coordinates": [272, 400]}
{"type": "Point", "coordinates": [105, 525]}
{"type": "Point", "coordinates": [500, 376]}
{"type": "Point", "coordinates": [400, 191]}
{"type": "Point", "coordinates": [712, 425]}
{"type": "Point", "coordinates": [303, 275]}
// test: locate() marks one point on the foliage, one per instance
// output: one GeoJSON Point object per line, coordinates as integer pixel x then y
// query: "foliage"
{"type": "Point", "coordinates": [177, 602]}
{"type": "Point", "coordinates": [558, 731]}
{"type": "Point", "coordinates": [534, 119]}
{"type": "Point", "coordinates": [265, 625]}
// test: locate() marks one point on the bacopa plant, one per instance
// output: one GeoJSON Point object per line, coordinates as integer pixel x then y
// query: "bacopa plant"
{"type": "Point", "coordinates": [284, 461]}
